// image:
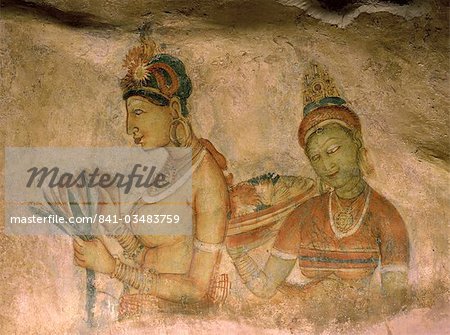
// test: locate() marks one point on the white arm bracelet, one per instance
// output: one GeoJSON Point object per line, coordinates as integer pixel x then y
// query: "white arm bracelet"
{"type": "Point", "coordinates": [394, 268]}
{"type": "Point", "coordinates": [283, 255]}
{"type": "Point", "coordinates": [207, 247]}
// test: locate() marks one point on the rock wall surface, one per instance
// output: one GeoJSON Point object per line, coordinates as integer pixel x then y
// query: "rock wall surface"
{"type": "Point", "coordinates": [61, 62]}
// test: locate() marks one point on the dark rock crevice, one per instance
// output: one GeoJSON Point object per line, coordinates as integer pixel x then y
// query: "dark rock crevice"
{"type": "Point", "coordinates": [70, 18]}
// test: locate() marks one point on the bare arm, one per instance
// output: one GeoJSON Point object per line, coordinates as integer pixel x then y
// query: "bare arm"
{"type": "Point", "coordinates": [210, 206]}
{"type": "Point", "coordinates": [210, 209]}
{"type": "Point", "coordinates": [263, 283]}
{"type": "Point", "coordinates": [395, 290]}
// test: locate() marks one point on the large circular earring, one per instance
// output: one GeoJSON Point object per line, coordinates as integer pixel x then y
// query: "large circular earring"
{"type": "Point", "coordinates": [187, 130]}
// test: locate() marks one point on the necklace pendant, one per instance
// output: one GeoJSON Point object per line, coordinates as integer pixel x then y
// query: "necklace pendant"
{"type": "Point", "coordinates": [343, 221]}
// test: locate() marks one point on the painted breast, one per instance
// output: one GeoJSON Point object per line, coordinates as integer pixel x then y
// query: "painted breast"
{"type": "Point", "coordinates": [322, 253]}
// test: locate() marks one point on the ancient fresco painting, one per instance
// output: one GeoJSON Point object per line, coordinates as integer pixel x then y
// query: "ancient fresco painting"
{"type": "Point", "coordinates": [320, 241]}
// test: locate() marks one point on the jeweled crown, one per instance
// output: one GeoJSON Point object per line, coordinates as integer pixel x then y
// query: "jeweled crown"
{"type": "Point", "coordinates": [319, 89]}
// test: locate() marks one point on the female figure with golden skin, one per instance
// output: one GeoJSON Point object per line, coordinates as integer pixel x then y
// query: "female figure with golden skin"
{"type": "Point", "coordinates": [343, 234]}
{"type": "Point", "coordinates": [177, 268]}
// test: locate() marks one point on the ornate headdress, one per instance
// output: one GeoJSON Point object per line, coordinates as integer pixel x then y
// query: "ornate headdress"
{"type": "Point", "coordinates": [157, 77]}
{"type": "Point", "coordinates": [323, 104]}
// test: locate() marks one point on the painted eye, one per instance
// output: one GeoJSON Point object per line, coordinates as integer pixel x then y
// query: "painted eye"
{"type": "Point", "coordinates": [138, 112]}
{"type": "Point", "coordinates": [315, 158]}
{"type": "Point", "coordinates": [333, 149]}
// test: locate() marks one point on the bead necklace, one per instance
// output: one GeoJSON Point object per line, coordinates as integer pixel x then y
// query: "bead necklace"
{"type": "Point", "coordinates": [343, 223]}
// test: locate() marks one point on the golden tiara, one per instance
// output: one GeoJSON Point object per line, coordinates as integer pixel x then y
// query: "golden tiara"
{"type": "Point", "coordinates": [319, 88]}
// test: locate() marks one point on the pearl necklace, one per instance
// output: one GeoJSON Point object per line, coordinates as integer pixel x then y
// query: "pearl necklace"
{"type": "Point", "coordinates": [343, 225]}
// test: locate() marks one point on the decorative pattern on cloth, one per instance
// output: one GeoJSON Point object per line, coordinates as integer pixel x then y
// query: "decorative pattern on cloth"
{"type": "Point", "coordinates": [381, 238]}
{"type": "Point", "coordinates": [219, 289]}
{"type": "Point", "coordinates": [338, 260]}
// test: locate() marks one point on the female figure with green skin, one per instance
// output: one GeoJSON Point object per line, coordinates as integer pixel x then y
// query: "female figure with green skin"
{"type": "Point", "coordinates": [343, 234]}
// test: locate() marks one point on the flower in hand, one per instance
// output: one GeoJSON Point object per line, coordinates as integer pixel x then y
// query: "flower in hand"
{"type": "Point", "coordinates": [93, 255]}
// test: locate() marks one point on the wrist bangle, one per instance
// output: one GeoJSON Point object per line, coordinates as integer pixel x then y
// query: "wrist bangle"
{"type": "Point", "coordinates": [116, 267]}
{"type": "Point", "coordinates": [132, 255]}
{"type": "Point", "coordinates": [247, 268]}
{"type": "Point", "coordinates": [144, 280]}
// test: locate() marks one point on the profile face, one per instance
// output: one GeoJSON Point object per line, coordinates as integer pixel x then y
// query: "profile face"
{"type": "Point", "coordinates": [334, 155]}
{"type": "Point", "coordinates": [149, 124]}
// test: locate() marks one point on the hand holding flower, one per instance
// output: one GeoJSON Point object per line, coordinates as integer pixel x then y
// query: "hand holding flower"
{"type": "Point", "coordinates": [93, 255]}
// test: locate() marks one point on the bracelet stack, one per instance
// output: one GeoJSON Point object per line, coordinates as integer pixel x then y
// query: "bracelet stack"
{"type": "Point", "coordinates": [130, 244]}
{"type": "Point", "coordinates": [247, 268]}
{"type": "Point", "coordinates": [144, 280]}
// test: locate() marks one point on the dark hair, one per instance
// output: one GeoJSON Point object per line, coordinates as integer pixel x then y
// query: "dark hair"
{"type": "Point", "coordinates": [168, 76]}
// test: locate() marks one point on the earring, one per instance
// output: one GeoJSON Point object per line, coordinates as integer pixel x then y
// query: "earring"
{"type": "Point", "coordinates": [187, 130]}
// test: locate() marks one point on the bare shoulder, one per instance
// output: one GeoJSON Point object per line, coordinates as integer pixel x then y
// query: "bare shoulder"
{"type": "Point", "coordinates": [209, 175]}
{"type": "Point", "coordinates": [211, 201]}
